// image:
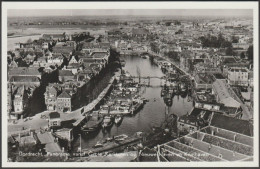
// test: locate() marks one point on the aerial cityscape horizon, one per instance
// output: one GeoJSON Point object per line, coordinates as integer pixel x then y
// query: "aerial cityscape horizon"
{"type": "Point", "coordinates": [131, 85]}
{"type": "Point", "coordinates": [131, 12]}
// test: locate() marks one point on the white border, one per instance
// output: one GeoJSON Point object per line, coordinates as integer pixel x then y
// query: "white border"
{"type": "Point", "coordinates": [129, 5]}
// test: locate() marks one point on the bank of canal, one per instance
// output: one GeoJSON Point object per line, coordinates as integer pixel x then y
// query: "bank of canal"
{"type": "Point", "coordinates": [153, 112]}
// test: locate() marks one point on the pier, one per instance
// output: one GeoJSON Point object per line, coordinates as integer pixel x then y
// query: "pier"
{"type": "Point", "coordinates": [91, 106]}
{"type": "Point", "coordinates": [113, 145]}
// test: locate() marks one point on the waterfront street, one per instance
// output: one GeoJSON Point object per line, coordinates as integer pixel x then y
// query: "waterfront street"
{"type": "Point", "coordinates": [36, 122]}
{"type": "Point", "coordinates": [153, 113]}
{"type": "Point", "coordinates": [130, 88]}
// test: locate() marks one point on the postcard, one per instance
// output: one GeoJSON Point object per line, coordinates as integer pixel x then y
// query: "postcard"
{"type": "Point", "coordinates": [130, 84]}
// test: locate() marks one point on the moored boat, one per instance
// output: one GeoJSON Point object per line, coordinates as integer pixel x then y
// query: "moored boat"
{"type": "Point", "coordinates": [98, 144]}
{"type": "Point", "coordinates": [120, 137]}
{"type": "Point", "coordinates": [168, 99]}
{"type": "Point", "coordinates": [183, 87]}
{"type": "Point", "coordinates": [92, 125]}
{"type": "Point", "coordinates": [119, 109]}
{"type": "Point", "coordinates": [122, 62]}
{"type": "Point", "coordinates": [145, 56]}
{"type": "Point", "coordinates": [163, 92]}
{"type": "Point", "coordinates": [107, 122]}
{"type": "Point", "coordinates": [137, 105]}
{"type": "Point", "coordinates": [104, 109]}
{"type": "Point", "coordinates": [118, 119]}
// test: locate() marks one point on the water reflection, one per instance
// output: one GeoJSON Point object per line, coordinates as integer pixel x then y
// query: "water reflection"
{"type": "Point", "coordinates": [153, 112]}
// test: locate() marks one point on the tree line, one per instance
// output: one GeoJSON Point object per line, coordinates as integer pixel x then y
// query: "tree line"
{"type": "Point", "coordinates": [215, 41]}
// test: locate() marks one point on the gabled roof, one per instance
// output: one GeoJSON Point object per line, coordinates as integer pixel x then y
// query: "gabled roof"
{"type": "Point", "coordinates": [28, 71]}
{"type": "Point", "coordinates": [65, 73]}
{"type": "Point", "coordinates": [221, 89]}
{"type": "Point", "coordinates": [63, 49]}
{"type": "Point", "coordinates": [57, 55]}
{"type": "Point", "coordinates": [13, 64]}
{"type": "Point", "coordinates": [51, 89]}
{"type": "Point", "coordinates": [232, 124]}
{"type": "Point", "coordinates": [99, 54]}
{"type": "Point", "coordinates": [24, 79]}
{"type": "Point", "coordinates": [64, 94]}
{"type": "Point", "coordinates": [74, 58]}
{"type": "Point", "coordinates": [45, 138]}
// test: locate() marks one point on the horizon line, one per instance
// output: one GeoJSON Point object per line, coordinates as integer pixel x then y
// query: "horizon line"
{"type": "Point", "coordinates": [199, 15]}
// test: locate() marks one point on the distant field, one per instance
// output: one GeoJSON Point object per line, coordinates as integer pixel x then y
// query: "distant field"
{"type": "Point", "coordinates": [19, 34]}
{"type": "Point", "coordinates": [41, 30]}
{"type": "Point", "coordinates": [11, 41]}
{"type": "Point", "coordinates": [60, 27]}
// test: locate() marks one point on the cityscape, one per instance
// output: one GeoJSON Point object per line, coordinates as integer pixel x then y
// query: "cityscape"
{"type": "Point", "coordinates": [130, 88]}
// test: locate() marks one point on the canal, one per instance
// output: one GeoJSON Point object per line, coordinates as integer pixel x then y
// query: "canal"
{"type": "Point", "coordinates": [153, 112]}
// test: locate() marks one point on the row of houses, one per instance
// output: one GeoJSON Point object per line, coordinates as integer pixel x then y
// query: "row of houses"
{"type": "Point", "coordinates": [61, 63]}
{"type": "Point", "coordinates": [74, 76]}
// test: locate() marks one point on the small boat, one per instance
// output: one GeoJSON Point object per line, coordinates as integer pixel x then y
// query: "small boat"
{"type": "Point", "coordinates": [168, 99]}
{"type": "Point", "coordinates": [164, 69]}
{"type": "Point", "coordinates": [99, 144]}
{"type": "Point", "coordinates": [145, 56]}
{"type": "Point", "coordinates": [118, 119]}
{"type": "Point", "coordinates": [92, 125]}
{"type": "Point", "coordinates": [122, 62]}
{"type": "Point", "coordinates": [137, 105]}
{"type": "Point", "coordinates": [120, 137]}
{"type": "Point", "coordinates": [107, 122]}
{"type": "Point", "coordinates": [145, 100]}
{"type": "Point", "coordinates": [163, 92]}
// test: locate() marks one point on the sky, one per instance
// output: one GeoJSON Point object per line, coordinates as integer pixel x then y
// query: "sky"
{"type": "Point", "coordinates": [134, 12]}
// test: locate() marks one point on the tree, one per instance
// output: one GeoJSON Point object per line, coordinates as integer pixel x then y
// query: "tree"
{"type": "Point", "coordinates": [177, 23]}
{"type": "Point", "coordinates": [242, 55]}
{"type": "Point", "coordinates": [154, 47]}
{"type": "Point", "coordinates": [250, 53]}
{"type": "Point", "coordinates": [235, 39]}
{"type": "Point", "coordinates": [29, 40]}
{"type": "Point", "coordinates": [216, 42]}
{"type": "Point", "coordinates": [179, 32]}
{"type": "Point", "coordinates": [229, 51]}
{"type": "Point", "coordinates": [173, 55]}
{"type": "Point", "coordinates": [168, 24]}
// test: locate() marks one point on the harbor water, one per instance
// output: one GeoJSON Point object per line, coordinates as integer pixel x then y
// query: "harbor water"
{"type": "Point", "coordinates": [153, 112]}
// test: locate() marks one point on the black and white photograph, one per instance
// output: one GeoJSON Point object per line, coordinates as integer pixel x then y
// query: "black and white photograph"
{"type": "Point", "coordinates": [169, 83]}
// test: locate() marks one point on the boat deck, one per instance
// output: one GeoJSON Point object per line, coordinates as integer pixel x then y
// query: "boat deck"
{"type": "Point", "coordinates": [109, 146]}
